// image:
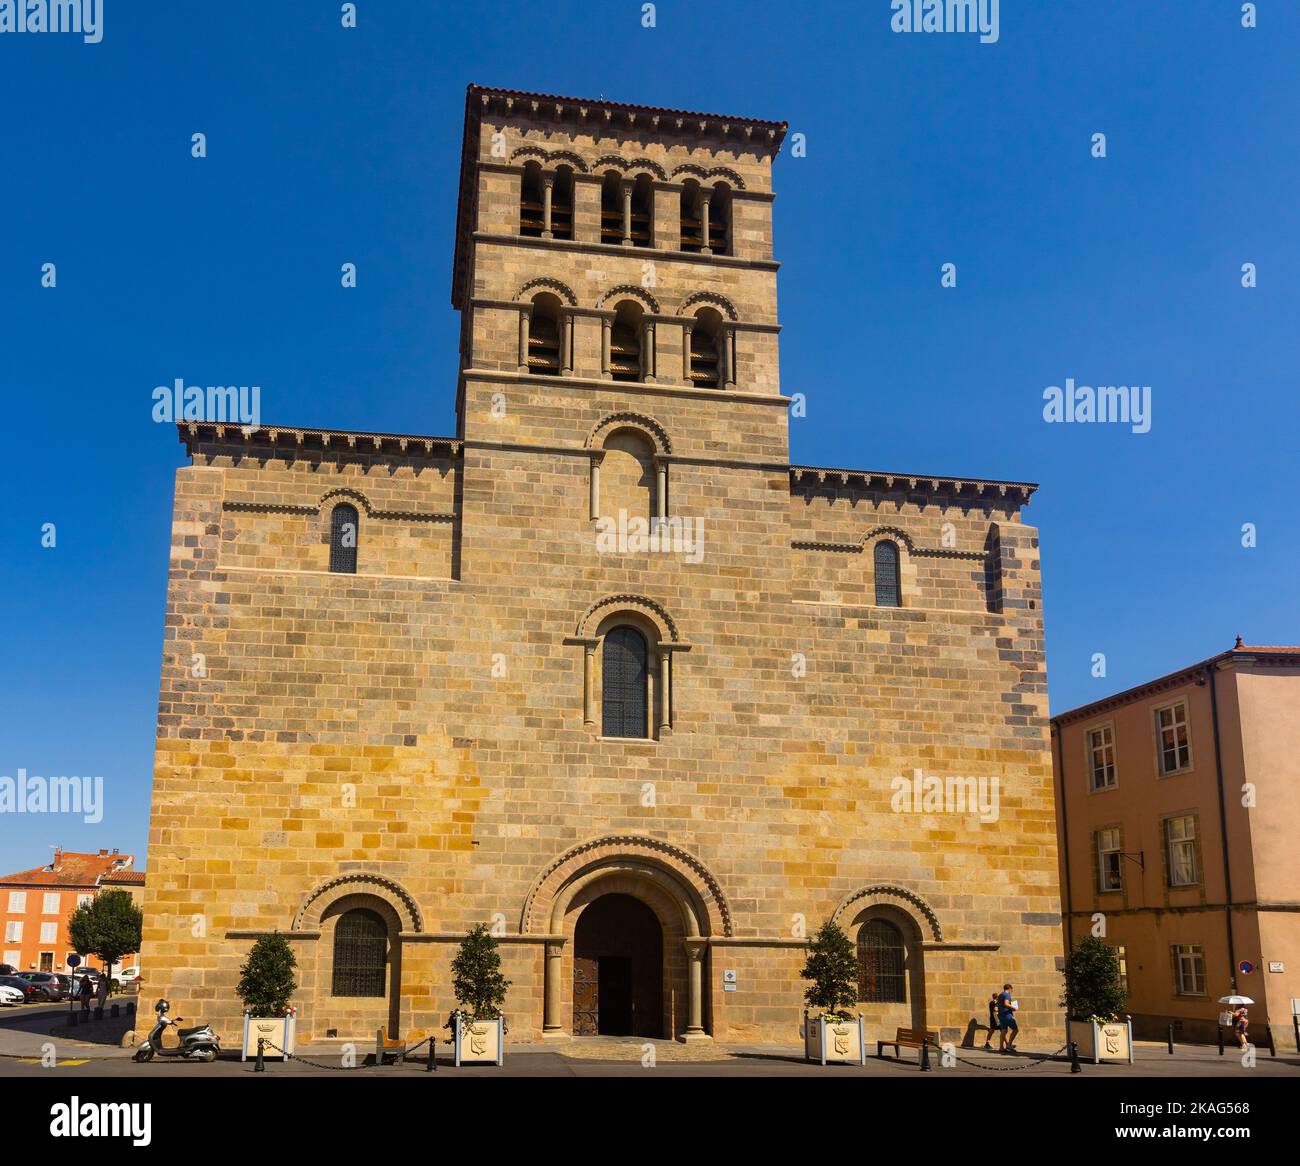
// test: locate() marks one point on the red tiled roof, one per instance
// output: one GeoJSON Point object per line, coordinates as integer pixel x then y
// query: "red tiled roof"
{"type": "Point", "coordinates": [132, 877]}
{"type": "Point", "coordinates": [71, 869]}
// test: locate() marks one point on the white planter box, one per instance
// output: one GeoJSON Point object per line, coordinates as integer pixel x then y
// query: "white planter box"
{"type": "Point", "coordinates": [276, 1030]}
{"type": "Point", "coordinates": [480, 1042]}
{"type": "Point", "coordinates": [1102, 1042]}
{"type": "Point", "coordinates": [836, 1041]}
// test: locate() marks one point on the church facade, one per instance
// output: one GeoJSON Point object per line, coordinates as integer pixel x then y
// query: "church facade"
{"type": "Point", "coordinates": [603, 670]}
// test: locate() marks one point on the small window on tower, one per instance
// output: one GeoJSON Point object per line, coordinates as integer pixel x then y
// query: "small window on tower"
{"type": "Point", "coordinates": [530, 202]}
{"type": "Point", "coordinates": [345, 526]}
{"type": "Point", "coordinates": [692, 225]}
{"type": "Point", "coordinates": [625, 342]}
{"type": "Point", "coordinates": [706, 350]}
{"type": "Point", "coordinates": [642, 201]}
{"type": "Point", "coordinates": [611, 208]}
{"type": "Point", "coordinates": [544, 336]}
{"type": "Point", "coordinates": [562, 204]}
{"type": "Point", "coordinates": [720, 220]}
{"type": "Point", "coordinates": [887, 588]}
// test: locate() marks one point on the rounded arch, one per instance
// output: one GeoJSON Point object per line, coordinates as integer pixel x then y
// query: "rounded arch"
{"type": "Point", "coordinates": [345, 494]}
{"type": "Point", "coordinates": [710, 299]}
{"type": "Point", "coordinates": [682, 885]}
{"type": "Point", "coordinates": [664, 628]}
{"type": "Point", "coordinates": [629, 291]}
{"type": "Point", "coordinates": [545, 284]}
{"type": "Point", "coordinates": [326, 895]}
{"type": "Point", "coordinates": [704, 174]}
{"type": "Point", "coordinates": [551, 157]}
{"type": "Point", "coordinates": [893, 533]}
{"type": "Point", "coordinates": [611, 423]}
{"type": "Point", "coordinates": [907, 903]}
{"type": "Point", "coordinates": [630, 166]}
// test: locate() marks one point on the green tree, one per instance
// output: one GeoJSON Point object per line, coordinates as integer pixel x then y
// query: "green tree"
{"type": "Point", "coordinates": [266, 981]}
{"type": "Point", "coordinates": [107, 926]}
{"type": "Point", "coordinates": [476, 975]}
{"type": "Point", "coordinates": [1092, 983]}
{"type": "Point", "coordinates": [832, 966]}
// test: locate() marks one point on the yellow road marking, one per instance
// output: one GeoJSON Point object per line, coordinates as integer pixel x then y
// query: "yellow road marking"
{"type": "Point", "coordinates": [58, 1064]}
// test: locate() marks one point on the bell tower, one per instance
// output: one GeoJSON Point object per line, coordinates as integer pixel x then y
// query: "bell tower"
{"type": "Point", "coordinates": [614, 259]}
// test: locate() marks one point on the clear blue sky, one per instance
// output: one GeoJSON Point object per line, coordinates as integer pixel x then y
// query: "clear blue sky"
{"type": "Point", "coordinates": [328, 145]}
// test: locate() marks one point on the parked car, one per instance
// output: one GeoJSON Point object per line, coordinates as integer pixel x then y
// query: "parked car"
{"type": "Point", "coordinates": [10, 995]}
{"type": "Point", "coordinates": [48, 983]}
{"type": "Point", "coordinates": [31, 993]}
{"type": "Point", "coordinates": [8, 970]}
{"type": "Point", "coordinates": [126, 979]}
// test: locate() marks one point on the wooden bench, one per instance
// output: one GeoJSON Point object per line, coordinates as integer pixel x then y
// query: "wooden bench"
{"type": "Point", "coordinates": [385, 1045]}
{"type": "Point", "coordinates": [908, 1038]}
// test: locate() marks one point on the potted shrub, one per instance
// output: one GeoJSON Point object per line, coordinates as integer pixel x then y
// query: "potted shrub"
{"type": "Point", "coordinates": [266, 985]}
{"type": "Point", "coordinates": [478, 1024]}
{"type": "Point", "coordinates": [831, 1033]}
{"type": "Point", "coordinates": [1094, 1003]}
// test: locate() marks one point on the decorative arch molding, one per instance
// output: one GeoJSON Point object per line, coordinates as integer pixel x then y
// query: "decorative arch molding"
{"type": "Point", "coordinates": [345, 494]}
{"type": "Point", "coordinates": [625, 290]}
{"type": "Point", "coordinates": [713, 299]}
{"type": "Point", "coordinates": [712, 172]}
{"type": "Point", "coordinates": [544, 283]}
{"type": "Point", "coordinates": [890, 532]}
{"type": "Point", "coordinates": [638, 603]}
{"type": "Point", "coordinates": [648, 425]}
{"type": "Point", "coordinates": [627, 166]}
{"type": "Point", "coordinates": [308, 916]}
{"type": "Point", "coordinates": [554, 157]}
{"type": "Point", "coordinates": [888, 895]}
{"type": "Point", "coordinates": [619, 855]}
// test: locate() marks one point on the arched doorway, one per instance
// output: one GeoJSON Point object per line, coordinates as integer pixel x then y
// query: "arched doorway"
{"type": "Point", "coordinates": [618, 958]}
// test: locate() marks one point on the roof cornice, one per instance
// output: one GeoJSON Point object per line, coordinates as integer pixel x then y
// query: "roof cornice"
{"type": "Point", "coordinates": [194, 434]}
{"type": "Point", "coordinates": [990, 488]}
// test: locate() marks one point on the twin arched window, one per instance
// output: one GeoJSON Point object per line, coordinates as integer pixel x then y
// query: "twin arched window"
{"type": "Point", "coordinates": [625, 684]}
{"type": "Point", "coordinates": [360, 953]}
{"type": "Point", "coordinates": [546, 203]}
{"type": "Point", "coordinates": [345, 527]}
{"type": "Point", "coordinates": [882, 963]}
{"type": "Point", "coordinates": [888, 591]}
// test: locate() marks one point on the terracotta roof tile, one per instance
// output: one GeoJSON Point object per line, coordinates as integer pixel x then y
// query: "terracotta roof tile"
{"type": "Point", "coordinates": [71, 870]}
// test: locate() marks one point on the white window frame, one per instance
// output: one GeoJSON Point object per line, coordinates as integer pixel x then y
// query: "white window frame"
{"type": "Point", "coordinates": [1186, 723]}
{"type": "Point", "coordinates": [49, 933]}
{"type": "Point", "coordinates": [17, 902]}
{"type": "Point", "coordinates": [82, 900]}
{"type": "Point", "coordinates": [1189, 967]}
{"type": "Point", "coordinates": [14, 931]}
{"type": "Point", "coordinates": [13, 957]}
{"type": "Point", "coordinates": [1116, 848]}
{"type": "Point", "coordinates": [1187, 843]}
{"type": "Point", "coordinates": [46, 898]}
{"type": "Point", "coordinates": [1090, 757]}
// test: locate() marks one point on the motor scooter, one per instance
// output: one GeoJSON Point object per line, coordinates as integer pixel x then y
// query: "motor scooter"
{"type": "Point", "coordinates": [196, 1044]}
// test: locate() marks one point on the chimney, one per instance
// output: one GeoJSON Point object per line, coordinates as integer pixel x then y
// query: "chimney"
{"type": "Point", "coordinates": [103, 852]}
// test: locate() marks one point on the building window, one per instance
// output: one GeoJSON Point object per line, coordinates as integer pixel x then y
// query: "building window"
{"type": "Point", "coordinates": [1172, 741]}
{"type": "Point", "coordinates": [1180, 843]}
{"type": "Point", "coordinates": [1189, 969]}
{"type": "Point", "coordinates": [706, 350]}
{"type": "Point", "coordinates": [642, 232]}
{"type": "Point", "coordinates": [881, 958]}
{"type": "Point", "coordinates": [1101, 758]}
{"type": "Point", "coordinates": [1110, 875]}
{"type": "Point", "coordinates": [720, 220]}
{"type": "Point", "coordinates": [17, 902]}
{"type": "Point", "coordinates": [50, 903]}
{"type": "Point", "coordinates": [543, 355]}
{"type": "Point", "coordinates": [14, 931]}
{"type": "Point", "coordinates": [360, 953]}
{"type": "Point", "coordinates": [345, 526]}
{"type": "Point", "coordinates": [692, 225]}
{"type": "Point", "coordinates": [50, 934]}
{"type": "Point", "coordinates": [887, 588]}
{"type": "Point", "coordinates": [531, 223]}
{"type": "Point", "coordinates": [611, 208]}
{"type": "Point", "coordinates": [82, 900]}
{"type": "Point", "coordinates": [625, 684]}
{"type": "Point", "coordinates": [625, 360]}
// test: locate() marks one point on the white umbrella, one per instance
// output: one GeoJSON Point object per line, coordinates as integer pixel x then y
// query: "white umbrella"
{"type": "Point", "coordinates": [1235, 1000]}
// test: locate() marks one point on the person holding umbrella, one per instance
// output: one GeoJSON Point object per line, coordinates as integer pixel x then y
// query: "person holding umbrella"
{"type": "Point", "coordinates": [1239, 1018]}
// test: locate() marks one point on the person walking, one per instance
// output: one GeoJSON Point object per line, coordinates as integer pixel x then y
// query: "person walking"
{"type": "Point", "coordinates": [994, 1025]}
{"type": "Point", "coordinates": [1007, 1026]}
{"type": "Point", "coordinates": [1240, 1023]}
{"type": "Point", "coordinates": [87, 990]}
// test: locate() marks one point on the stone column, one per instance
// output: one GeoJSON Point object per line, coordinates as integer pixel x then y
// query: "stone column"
{"type": "Point", "coordinates": [726, 365]}
{"type": "Point", "coordinates": [627, 212]}
{"type": "Point", "coordinates": [687, 327]}
{"type": "Point", "coordinates": [595, 485]}
{"type": "Point", "coordinates": [524, 314]}
{"type": "Point", "coordinates": [566, 344]}
{"type": "Point", "coordinates": [704, 221]}
{"type": "Point", "coordinates": [606, 335]}
{"type": "Point", "coordinates": [548, 186]}
{"type": "Point", "coordinates": [665, 693]}
{"type": "Point", "coordinates": [551, 1023]}
{"type": "Point", "coordinates": [649, 364]}
{"type": "Point", "coordinates": [695, 949]}
{"type": "Point", "coordinates": [661, 488]}
{"type": "Point", "coordinates": [589, 684]}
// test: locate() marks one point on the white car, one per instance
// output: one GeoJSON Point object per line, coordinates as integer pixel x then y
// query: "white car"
{"type": "Point", "coordinates": [125, 976]}
{"type": "Point", "coordinates": [10, 995]}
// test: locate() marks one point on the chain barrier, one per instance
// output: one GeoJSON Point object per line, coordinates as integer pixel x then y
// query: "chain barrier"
{"type": "Point", "coordinates": [1033, 1062]}
{"type": "Point", "coordinates": [271, 1046]}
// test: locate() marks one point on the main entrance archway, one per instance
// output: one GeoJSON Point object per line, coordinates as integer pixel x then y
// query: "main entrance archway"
{"type": "Point", "coordinates": [618, 965]}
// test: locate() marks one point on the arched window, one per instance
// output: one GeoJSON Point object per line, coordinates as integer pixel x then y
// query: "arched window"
{"type": "Point", "coordinates": [543, 356]}
{"type": "Point", "coordinates": [611, 208]}
{"type": "Point", "coordinates": [642, 202]}
{"type": "Point", "coordinates": [881, 957]}
{"type": "Point", "coordinates": [360, 953]}
{"type": "Point", "coordinates": [706, 350]}
{"type": "Point", "coordinates": [692, 225]}
{"type": "Point", "coordinates": [345, 531]}
{"type": "Point", "coordinates": [530, 202]}
{"type": "Point", "coordinates": [625, 684]}
{"type": "Point", "coordinates": [720, 220]}
{"type": "Point", "coordinates": [625, 362]}
{"type": "Point", "coordinates": [562, 203]}
{"type": "Point", "coordinates": [887, 589]}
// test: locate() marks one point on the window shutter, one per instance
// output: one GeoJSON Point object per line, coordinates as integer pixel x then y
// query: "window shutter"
{"type": "Point", "coordinates": [623, 684]}
{"type": "Point", "coordinates": [887, 590]}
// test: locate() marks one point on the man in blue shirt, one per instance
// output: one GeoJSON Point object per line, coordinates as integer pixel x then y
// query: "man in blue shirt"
{"type": "Point", "coordinates": [1007, 1020]}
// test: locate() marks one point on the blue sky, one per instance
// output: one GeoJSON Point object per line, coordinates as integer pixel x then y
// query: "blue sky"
{"type": "Point", "coordinates": [328, 145]}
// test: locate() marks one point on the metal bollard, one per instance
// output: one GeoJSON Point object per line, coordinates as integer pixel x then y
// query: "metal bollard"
{"type": "Point", "coordinates": [1074, 1058]}
{"type": "Point", "coordinates": [260, 1067]}
{"type": "Point", "coordinates": [1171, 1040]}
{"type": "Point", "coordinates": [432, 1066]}
{"type": "Point", "coordinates": [113, 1010]}
{"type": "Point", "coordinates": [1220, 1040]}
{"type": "Point", "coordinates": [925, 1055]}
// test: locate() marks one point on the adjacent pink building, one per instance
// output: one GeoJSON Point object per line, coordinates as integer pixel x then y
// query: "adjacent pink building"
{"type": "Point", "coordinates": [1178, 812]}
